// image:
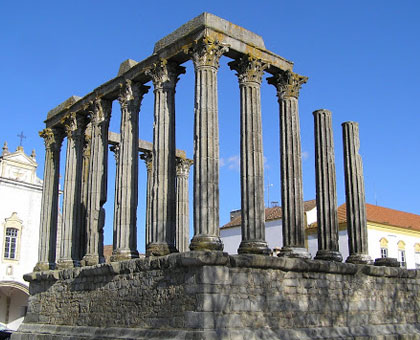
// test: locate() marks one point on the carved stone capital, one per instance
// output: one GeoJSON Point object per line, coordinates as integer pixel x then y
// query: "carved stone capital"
{"type": "Point", "coordinates": [183, 167]}
{"type": "Point", "coordinates": [147, 156]}
{"type": "Point", "coordinates": [74, 125]}
{"type": "Point", "coordinates": [206, 52]}
{"type": "Point", "coordinates": [165, 74]}
{"type": "Point", "coordinates": [287, 84]}
{"type": "Point", "coordinates": [52, 138]}
{"type": "Point", "coordinates": [100, 110]}
{"type": "Point", "coordinates": [249, 69]}
{"type": "Point", "coordinates": [131, 94]}
{"type": "Point", "coordinates": [116, 150]}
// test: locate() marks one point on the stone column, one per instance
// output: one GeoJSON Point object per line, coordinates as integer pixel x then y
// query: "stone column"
{"type": "Point", "coordinates": [84, 188]}
{"type": "Point", "coordinates": [147, 157]}
{"type": "Point", "coordinates": [71, 226]}
{"type": "Point", "coordinates": [97, 181]}
{"type": "Point", "coordinates": [355, 196]}
{"type": "Point", "coordinates": [182, 236]}
{"type": "Point", "coordinates": [250, 71]}
{"type": "Point", "coordinates": [126, 188]}
{"type": "Point", "coordinates": [205, 54]}
{"type": "Point", "coordinates": [163, 206]}
{"type": "Point", "coordinates": [49, 204]}
{"type": "Point", "coordinates": [288, 85]}
{"type": "Point", "coordinates": [326, 197]}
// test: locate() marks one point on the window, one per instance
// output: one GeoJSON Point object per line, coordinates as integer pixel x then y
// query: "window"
{"type": "Point", "coordinates": [417, 255]}
{"type": "Point", "coordinates": [10, 243]}
{"type": "Point", "coordinates": [401, 254]}
{"type": "Point", "coordinates": [384, 252]}
{"type": "Point", "coordinates": [384, 247]}
{"type": "Point", "coordinates": [12, 231]}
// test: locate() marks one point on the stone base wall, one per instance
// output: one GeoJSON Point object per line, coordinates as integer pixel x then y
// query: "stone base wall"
{"type": "Point", "coordinates": [213, 295]}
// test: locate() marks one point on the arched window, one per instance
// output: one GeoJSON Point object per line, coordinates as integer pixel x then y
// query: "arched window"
{"type": "Point", "coordinates": [384, 247]}
{"type": "Point", "coordinates": [417, 255]}
{"type": "Point", "coordinates": [401, 254]}
{"type": "Point", "coordinates": [12, 231]}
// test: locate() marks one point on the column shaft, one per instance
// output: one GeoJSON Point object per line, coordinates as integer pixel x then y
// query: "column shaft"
{"type": "Point", "coordinates": [49, 203]}
{"type": "Point", "coordinates": [206, 54]}
{"type": "Point", "coordinates": [97, 182]}
{"type": "Point", "coordinates": [71, 231]}
{"type": "Point", "coordinates": [147, 157]}
{"type": "Point", "coordinates": [293, 219]}
{"type": "Point", "coordinates": [355, 196]}
{"type": "Point", "coordinates": [250, 71]}
{"type": "Point", "coordinates": [326, 197]}
{"type": "Point", "coordinates": [126, 182]}
{"type": "Point", "coordinates": [163, 205]}
{"type": "Point", "coordinates": [182, 205]}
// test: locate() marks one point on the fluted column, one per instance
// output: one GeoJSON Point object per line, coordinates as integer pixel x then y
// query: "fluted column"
{"type": "Point", "coordinates": [126, 181]}
{"type": "Point", "coordinates": [182, 235]}
{"type": "Point", "coordinates": [164, 75]}
{"type": "Point", "coordinates": [355, 196]}
{"type": "Point", "coordinates": [205, 54]}
{"type": "Point", "coordinates": [288, 85]}
{"type": "Point", "coordinates": [49, 204]}
{"type": "Point", "coordinates": [147, 157]}
{"type": "Point", "coordinates": [84, 188]}
{"type": "Point", "coordinates": [71, 231]}
{"type": "Point", "coordinates": [250, 71]}
{"type": "Point", "coordinates": [97, 181]}
{"type": "Point", "coordinates": [326, 197]}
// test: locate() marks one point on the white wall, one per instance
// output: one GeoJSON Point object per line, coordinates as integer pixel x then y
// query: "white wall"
{"type": "Point", "coordinates": [374, 237]}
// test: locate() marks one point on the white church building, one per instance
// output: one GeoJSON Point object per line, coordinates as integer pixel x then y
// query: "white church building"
{"type": "Point", "coordinates": [20, 206]}
{"type": "Point", "coordinates": [391, 233]}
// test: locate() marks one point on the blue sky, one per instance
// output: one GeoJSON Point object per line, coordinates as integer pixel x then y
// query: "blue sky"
{"type": "Point", "coordinates": [361, 58]}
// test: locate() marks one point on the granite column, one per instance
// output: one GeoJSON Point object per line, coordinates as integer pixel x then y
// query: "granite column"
{"type": "Point", "coordinates": [49, 204]}
{"type": "Point", "coordinates": [326, 197]}
{"type": "Point", "coordinates": [288, 85]}
{"type": "Point", "coordinates": [97, 181]}
{"type": "Point", "coordinates": [206, 54]}
{"type": "Point", "coordinates": [71, 227]}
{"type": "Point", "coordinates": [250, 71]}
{"type": "Point", "coordinates": [164, 75]}
{"type": "Point", "coordinates": [126, 181]}
{"type": "Point", "coordinates": [182, 234]}
{"type": "Point", "coordinates": [355, 196]}
{"type": "Point", "coordinates": [147, 157]}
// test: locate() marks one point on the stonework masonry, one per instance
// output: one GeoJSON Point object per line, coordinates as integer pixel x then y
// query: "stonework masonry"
{"type": "Point", "coordinates": [211, 295]}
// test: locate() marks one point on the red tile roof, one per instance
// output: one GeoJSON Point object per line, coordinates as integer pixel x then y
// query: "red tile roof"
{"type": "Point", "coordinates": [385, 216]}
{"type": "Point", "coordinates": [271, 214]}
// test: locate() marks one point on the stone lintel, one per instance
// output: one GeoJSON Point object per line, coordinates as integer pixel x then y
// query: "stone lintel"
{"type": "Point", "coordinates": [144, 146]}
{"type": "Point", "coordinates": [126, 65]}
{"type": "Point", "coordinates": [63, 106]}
{"type": "Point", "coordinates": [240, 40]}
{"type": "Point", "coordinates": [205, 20]}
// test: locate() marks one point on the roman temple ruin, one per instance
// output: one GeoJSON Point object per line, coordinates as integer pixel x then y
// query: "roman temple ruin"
{"type": "Point", "coordinates": [191, 289]}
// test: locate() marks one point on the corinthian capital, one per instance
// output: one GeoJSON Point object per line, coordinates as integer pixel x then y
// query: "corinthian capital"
{"type": "Point", "coordinates": [131, 94]}
{"type": "Point", "coordinates": [100, 110]}
{"type": "Point", "coordinates": [207, 52]}
{"type": "Point", "coordinates": [52, 138]}
{"type": "Point", "coordinates": [249, 69]}
{"type": "Point", "coordinates": [287, 84]}
{"type": "Point", "coordinates": [183, 167]}
{"type": "Point", "coordinates": [165, 74]}
{"type": "Point", "coordinates": [148, 159]}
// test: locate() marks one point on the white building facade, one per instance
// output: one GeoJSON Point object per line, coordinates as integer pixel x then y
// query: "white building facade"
{"type": "Point", "coordinates": [231, 232]}
{"type": "Point", "coordinates": [20, 206]}
{"type": "Point", "coordinates": [391, 233]}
